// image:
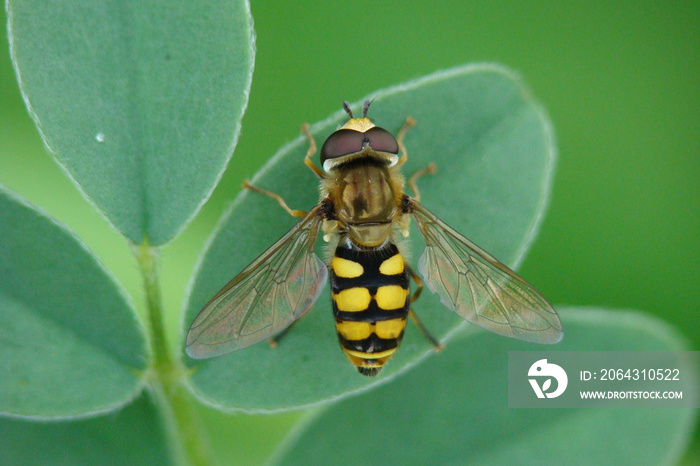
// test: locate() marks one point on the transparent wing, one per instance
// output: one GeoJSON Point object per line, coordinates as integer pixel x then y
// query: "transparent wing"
{"type": "Point", "coordinates": [479, 288]}
{"type": "Point", "coordinates": [271, 293]}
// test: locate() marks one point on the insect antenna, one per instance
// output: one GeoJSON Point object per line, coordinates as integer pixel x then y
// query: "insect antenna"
{"type": "Point", "coordinates": [346, 107]}
{"type": "Point", "coordinates": [365, 107]}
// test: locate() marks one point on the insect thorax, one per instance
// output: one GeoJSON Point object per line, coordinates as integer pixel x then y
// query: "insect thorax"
{"type": "Point", "coordinates": [366, 196]}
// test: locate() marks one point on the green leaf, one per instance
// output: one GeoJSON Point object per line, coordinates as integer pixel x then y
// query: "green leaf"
{"type": "Point", "coordinates": [139, 101]}
{"type": "Point", "coordinates": [70, 343]}
{"type": "Point", "coordinates": [132, 436]}
{"type": "Point", "coordinates": [494, 153]}
{"type": "Point", "coordinates": [453, 409]}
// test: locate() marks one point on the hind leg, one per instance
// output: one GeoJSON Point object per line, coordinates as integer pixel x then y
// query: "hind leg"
{"type": "Point", "coordinates": [419, 288]}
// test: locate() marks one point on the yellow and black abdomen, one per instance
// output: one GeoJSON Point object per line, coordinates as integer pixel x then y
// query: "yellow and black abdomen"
{"type": "Point", "coordinates": [370, 303]}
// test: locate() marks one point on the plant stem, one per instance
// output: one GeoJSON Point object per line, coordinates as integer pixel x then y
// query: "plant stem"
{"type": "Point", "coordinates": [186, 433]}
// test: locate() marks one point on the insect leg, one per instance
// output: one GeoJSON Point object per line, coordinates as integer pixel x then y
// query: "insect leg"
{"type": "Point", "coordinates": [429, 169]}
{"type": "Point", "coordinates": [277, 197]}
{"type": "Point", "coordinates": [275, 341]}
{"type": "Point", "coordinates": [437, 346]}
{"type": "Point", "coordinates": [419, 287]}
{"type": "Point", "coordinates": [419, 284]}
{"type": "Point", "coordinates": [399, 139]}
{"type": "Point", "coordinates": [312, 150]}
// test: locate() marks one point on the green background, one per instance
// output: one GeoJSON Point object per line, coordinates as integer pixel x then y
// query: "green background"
{"type": "Point", "coordinates": [621, 84]}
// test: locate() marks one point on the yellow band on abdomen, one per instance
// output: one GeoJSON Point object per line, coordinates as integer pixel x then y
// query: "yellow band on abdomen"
{"type": "Point", "coordinates": [354, 330]}
{"type": "Point", "coordinates": [363, 355]}
{"type": "Point", "coordinates": [392, 266]}
{"type": "Point", "coordinates": [345, 268]}
{"type": "Point", "coordinates": [390, 329]}
{"type": "Point", "coordinates": [391, 297]}
{"type": "Point", "coordinates": [353, 299]}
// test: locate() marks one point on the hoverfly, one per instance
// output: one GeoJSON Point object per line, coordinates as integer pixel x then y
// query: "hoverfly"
{"type": "Point", "coordinates": [363, 213]}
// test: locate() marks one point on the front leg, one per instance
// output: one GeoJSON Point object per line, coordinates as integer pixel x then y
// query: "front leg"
{"type": "Point", "coordinates": [311, 151]}
{"type": "Point", "coordinates": [277, 197]}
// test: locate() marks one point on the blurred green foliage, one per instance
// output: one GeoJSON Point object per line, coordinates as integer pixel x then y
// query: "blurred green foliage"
{"type": "Point", "coordinates": [619, 80]}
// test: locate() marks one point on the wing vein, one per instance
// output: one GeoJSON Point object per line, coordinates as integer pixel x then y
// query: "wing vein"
{"type": "Point", "coordinates": [266, 297]}
{"type": "Point", "coordinates": [478, 287]}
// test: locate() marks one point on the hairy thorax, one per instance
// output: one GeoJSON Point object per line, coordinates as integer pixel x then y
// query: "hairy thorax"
{"type": "Point", "coordinates": [367, 199]}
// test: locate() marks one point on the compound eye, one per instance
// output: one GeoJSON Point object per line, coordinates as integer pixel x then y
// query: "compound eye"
{"type": "Point", "coordinates": [342, 142]}
{"type": "Point", "coordinates": [381, 140]}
